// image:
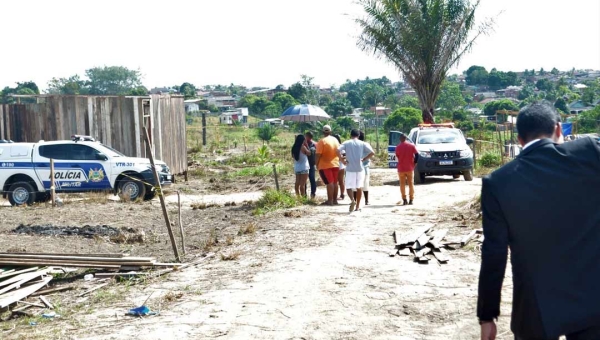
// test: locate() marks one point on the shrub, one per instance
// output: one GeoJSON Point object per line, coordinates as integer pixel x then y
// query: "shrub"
{"type": "Point", "coordinates": [490, 160]}
{"type": "Point", "coordinates": [273, 200]}
{"type": "Point", "coordinates": [466, 125]}
{"type": "Point", "coordinates": [266, 133]}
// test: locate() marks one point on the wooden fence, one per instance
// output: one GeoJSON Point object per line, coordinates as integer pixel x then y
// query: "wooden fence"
{"type": "Point", "coordinates": [117, 121]}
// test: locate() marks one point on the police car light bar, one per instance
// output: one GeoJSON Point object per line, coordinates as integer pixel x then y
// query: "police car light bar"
{"type": "Point", "coordinates": [440, 125]}
{"type": "Point", "coordinates": [79, 138]}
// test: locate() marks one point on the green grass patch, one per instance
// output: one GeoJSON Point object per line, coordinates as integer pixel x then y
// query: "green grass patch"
{"type": "Point", "coordinates": [272, 200]}
{"type": "Point", "coordinates": [261, 171]}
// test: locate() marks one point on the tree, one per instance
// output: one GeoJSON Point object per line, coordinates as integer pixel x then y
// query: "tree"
{"type": "Point", "coordinates": [259, 105]}
{"type": "Point", "coordinates": [346, 123]}
{"type": "Point", "coordinates": [297, 91]}
{"type": "Point", "coordinates": [542, 72]}
{"type": "Point", "coordinates": [23, 88]}
{"type": "Point", "coordinates": [30, 85]}
{"type": "Point", "coordinates": [423, 39]}
{"type": "Point", "coordinates": [589, 121]}
{"type": "Point", "coordinates": [588, 96]}
{"type": "Point", "coordinates": [466, 125]}
{"type": "Point", "coordinates": [339, 108]}
{"type": "Point", "coordinates": [450, 97]}
{"type": "Point", "coordinates": [139, 91]}
{"type": "Point", "coordinates": [71, 85]}
{"type": "Point", "coordinates": [476, 75]}
{"type": "Point", "coordinates": [266, 132]}
{"type": "Point", "coordinates": [544, 84]}
{"type": "Point", "coordinates": [284, 100]}
{"type": "Point", "coordinates": [273, 109]}
{"type": "Point", "coordinates": [403, 119]}
{"type": "Point", "coordinates": [187, 90]}
{"type": "Point", "coordinates": [555, 71]}
{"type": "Point", "coordinates": [311, 94]}
{"type": "Point", "coordinates": [247, 101]}
{"type": "Point", "coordinates": [503, 104]}
{"type": "Point", "coordinates": [113, 80]}
{"type": "Point", "coordinates": [372, 95]}
{"type": "Point", "coordinates": [526, 92]}
{"type": "Point", "coordinates": [354, 98]}
{"type": "Point", "coordinates": [561, 105]}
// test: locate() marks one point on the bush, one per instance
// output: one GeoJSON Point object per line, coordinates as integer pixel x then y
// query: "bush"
{"type": "Point", "coordinates": [267, 132]}
{"type": "Point", "coordinates": [466, 125]}
{"type": "Point", "coordinates": [273, 200]}
{"type": "Point", "coordinates": [490, 160]}
{"type": "Point", "coordinates": [403, 119]}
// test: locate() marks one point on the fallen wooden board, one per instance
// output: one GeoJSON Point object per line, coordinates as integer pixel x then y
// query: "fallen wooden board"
{"type": "Point", "coordinates": [93, 289]}
{"type": "Point", "coordinates": [65, 264]}
{"type": "Point", "coordinates": [422, 252]}
{"type": "Point", "coordinates": [441, 256]}
{"type": "Point", "coordinates": [423, 259]}
{"type": "Point", "coordinates": [468, 238]}
{"type": "Point", "coordinates": [79, 258]}
{"type": "Point", "coordinates": [17, 272]}
{"type": "Point", "coordinates": [113, 255]}
{"type": "Point", "coordinates": [39, 305]}
{"type": "Point", "coordinates": [405, 252]}
{"type": "Point", "coordinates": [422, 241]}
{"type": "Point", "coordinates": [46, 302]}
{"type": "Point", "coordinates": [52, 290]}
{"type": "Point", "coordinates": [22, 293]}
{"type": "Point", "coordinates": [413, 235]}
{"type": "Point", "coordinates": [22, 278]}
{"type": "Point", "coordinates": [437, 237]}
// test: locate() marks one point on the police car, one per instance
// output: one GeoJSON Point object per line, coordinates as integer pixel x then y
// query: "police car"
{"type": "Point", "coordinates": [443, 150]}
{"type": "Point", "coordinates": [80, 165]}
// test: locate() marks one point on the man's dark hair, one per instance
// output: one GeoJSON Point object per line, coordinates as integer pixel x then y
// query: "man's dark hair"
{"type": "Point", "coordinates": [308, 134]}
{"type": "Point", "coordinates": [354, 133]}
{"type": "Point", "coordinates": [537, 120]}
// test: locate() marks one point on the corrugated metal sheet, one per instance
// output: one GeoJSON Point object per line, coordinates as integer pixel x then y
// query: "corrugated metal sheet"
{"type": "Point", "coordinates": [115, 120]}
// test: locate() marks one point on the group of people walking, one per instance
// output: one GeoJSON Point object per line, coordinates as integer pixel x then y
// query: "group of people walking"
{"type": "Point", "coordinates": [342, 166]}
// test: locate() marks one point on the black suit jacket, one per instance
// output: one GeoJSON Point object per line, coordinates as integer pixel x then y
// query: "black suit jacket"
{"type": "Point", "coordinates": [545, 206]}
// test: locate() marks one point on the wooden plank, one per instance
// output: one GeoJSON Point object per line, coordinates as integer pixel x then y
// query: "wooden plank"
{"type": "Point", "coordinates": [413, 235]}
{"type": "Point", "coordinates": [437, 237]}
{"type": "Point", "coordinates": [22, 278]}
{"type": "Point", "coordinates": [441, 255]}
{"type": "Point", "coordinates": [52, 290]}
{"type": "Point", "coordinates": [404, 252]}
{"type": "Point", "coordinates": [46, 302]}
{"type": "Point", "coordinates": [423, 252]}
{"type": "Point", "coordinates": [423, 259]}
{"type": "Point", "coordinates": [22, 293]}
{"type": "Point", "coordinates": [138, 128]}
{"type": "Point", "coordinates": [77, 258]}
{"type": "Point", "coordinates": [9, 273]}
{"type": "Point", "coordinates": [116, 255]}
{"type": "Point", "coordinates": [468, 238]}
{"type": "Point", "coordinates": [31, 304]}
{"type": "Point", "coordinates": [422, 241]}
{"type": "Point", "coordinates": [93, 289]}
{"type": "Point", "coordinates": [64, 264]}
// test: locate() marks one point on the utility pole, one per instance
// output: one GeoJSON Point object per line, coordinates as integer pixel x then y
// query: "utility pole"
{"type": "Point", "coordinates": [203, 128]}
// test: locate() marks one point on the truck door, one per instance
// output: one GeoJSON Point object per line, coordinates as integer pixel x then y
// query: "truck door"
{"type": "Point", "coordinates": [77, 167]}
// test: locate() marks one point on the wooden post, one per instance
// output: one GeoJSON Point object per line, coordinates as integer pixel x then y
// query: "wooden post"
{"type": "Point", "coordinates": [276, 179]}
{"type": "Point", "coordinates": [52, 188]}
{"type": "Point", "coordinates": [203, 128]}
{"type": "Point", "coordinates": [185, 175]}
{"type": "Point", "coordinates": [474, 154]}
{"type": "Point", "coordinates": [180, 223]}
{"type": "Point", "coordinates": [501, 146]}
{"type": "Point", "coordinates": [377, 130]}
{"type": "Point", "coordinates": [161, 196]}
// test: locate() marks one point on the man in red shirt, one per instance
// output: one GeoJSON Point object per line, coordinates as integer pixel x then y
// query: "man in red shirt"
{"type": "Point", "coordinates": [406, 155]}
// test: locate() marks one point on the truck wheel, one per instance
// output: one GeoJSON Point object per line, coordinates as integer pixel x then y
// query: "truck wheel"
{"type": "Point", "coordinates": [150, 194]}
{"type": "Point", "coordinates": [419, 177]}
{"type": "Point", "coordinates": [468, 175]}
{"type": "Point", "coordinates": [131, 189]}
{"type": "Point", "coordinates": [21, 193]}
{"type": "Point", "coordinates": [456, 176]}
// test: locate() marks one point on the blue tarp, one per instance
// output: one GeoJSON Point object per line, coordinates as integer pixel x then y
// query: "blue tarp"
{"type": "Point", "coordinates": [567, 129]}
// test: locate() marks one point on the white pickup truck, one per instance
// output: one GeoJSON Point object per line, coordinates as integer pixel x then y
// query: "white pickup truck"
{"type": "Point", "coordinates": [80, 165]}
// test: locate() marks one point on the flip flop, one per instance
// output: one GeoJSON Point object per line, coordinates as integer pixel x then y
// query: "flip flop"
{"type": "Point", "coordinates": [352, 205]}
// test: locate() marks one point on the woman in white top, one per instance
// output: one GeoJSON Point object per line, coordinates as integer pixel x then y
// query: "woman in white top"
{"type": "Point", "coordinates": [342, 172]}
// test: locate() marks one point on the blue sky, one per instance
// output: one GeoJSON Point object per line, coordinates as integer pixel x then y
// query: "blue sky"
{"type": "Point", "coordinates": [265, 42]}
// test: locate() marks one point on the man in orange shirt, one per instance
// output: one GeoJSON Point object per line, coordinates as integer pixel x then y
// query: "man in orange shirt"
{"type": "Point", "coordinates": [328, 163]}
{"type": "Point", "coordinates": [406, 155]}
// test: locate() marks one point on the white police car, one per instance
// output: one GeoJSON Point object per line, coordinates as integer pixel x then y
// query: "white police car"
{"type": "Point", "coordinates": [80, 165]}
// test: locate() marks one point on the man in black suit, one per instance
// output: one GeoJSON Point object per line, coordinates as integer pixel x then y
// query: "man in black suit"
{"type": "Point", "coordinates": [545, 206]}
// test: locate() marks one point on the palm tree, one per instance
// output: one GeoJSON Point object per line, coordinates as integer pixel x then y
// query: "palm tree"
{"type": "Point", "coordinates": [423, 39]}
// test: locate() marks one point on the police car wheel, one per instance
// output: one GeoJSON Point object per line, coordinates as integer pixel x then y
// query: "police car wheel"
{"type": "Point", "coordinates": [150, 194]}
{"type": "Point", "coordinates": [132, 190]}
{"type": "Point", "coordinates": [468, 175]}
{"type": "Point", "coordinates": [21, 193]}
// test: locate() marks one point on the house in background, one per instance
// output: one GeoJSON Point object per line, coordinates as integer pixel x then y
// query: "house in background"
{"type": "Point", "coordinates": [578, 107]}
{"type": "Point", "coordinates": [272, 121]}
{"type": "Point", "coordinates": [510, 92]}
{"type": "Point", "coordinates": [270, 93]}
{"type": "Point", "coordinates": [380, 110]}
{"type": "Point", "coordinates": [222, 101]}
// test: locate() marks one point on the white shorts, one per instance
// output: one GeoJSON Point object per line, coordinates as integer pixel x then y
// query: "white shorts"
{"type": "Point", "coordinates": [355, 180]}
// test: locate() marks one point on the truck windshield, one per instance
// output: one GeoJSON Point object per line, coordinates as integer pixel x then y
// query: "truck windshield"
{"type": "Point", "coordinates": [112, 152]}
{"type": "Point", "coordinates": [439, 137]}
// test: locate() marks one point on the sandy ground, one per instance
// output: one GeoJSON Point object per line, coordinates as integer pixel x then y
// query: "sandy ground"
{"type": "Point", "coordinates": [321, 274]}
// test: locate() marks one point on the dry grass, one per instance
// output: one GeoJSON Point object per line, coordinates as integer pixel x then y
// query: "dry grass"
{"type": "Point", "coordinates": [232, 256]}
{"type": "Point", "coordinates": [247, 229]}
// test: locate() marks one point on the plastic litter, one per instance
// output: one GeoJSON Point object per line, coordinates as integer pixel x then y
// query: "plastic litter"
{"type": "Point", "coordinates": [141, 311]}
{"type": "Point", "coordinates": [88, 277]}
{"type": "Point", "coordinates": [50, 315]}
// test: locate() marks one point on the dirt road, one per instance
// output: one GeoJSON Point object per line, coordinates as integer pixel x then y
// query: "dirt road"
{"type": "Point", "coordinates": [324, 274]}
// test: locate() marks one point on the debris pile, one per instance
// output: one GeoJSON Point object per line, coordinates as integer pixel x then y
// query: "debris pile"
{"type": "Point", "coordinates": [424, 243]}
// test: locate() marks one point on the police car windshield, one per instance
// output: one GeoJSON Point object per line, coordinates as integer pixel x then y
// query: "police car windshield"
{"type": "Point", "coordinates": [112, 152]}
{"type": "Point", "coordinates": [439, 137]}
